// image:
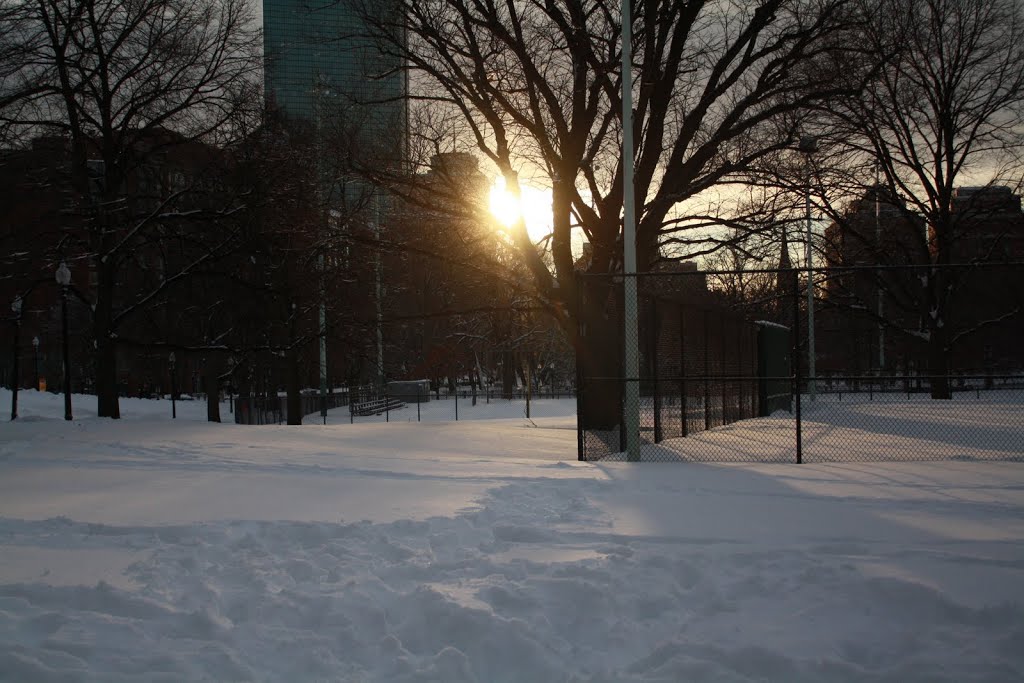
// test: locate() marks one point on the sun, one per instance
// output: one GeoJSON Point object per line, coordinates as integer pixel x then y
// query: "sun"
{"type": "Point", "coordinates": [533, 206]}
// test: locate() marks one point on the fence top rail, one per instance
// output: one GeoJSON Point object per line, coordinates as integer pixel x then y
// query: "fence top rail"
{"type": "Point", "coordinates": [804, 269]}
{"type": "Point", "coordinates": [886, 378]}
{"type": "Point", "coordinates": [841, 378]}
{"type": "Point", "coordinates": [677, 378]}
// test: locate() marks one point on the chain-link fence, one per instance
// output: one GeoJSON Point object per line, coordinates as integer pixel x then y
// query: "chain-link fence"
{"type": "Point", "coordinates": [697, 359]}
{"type": "Point", "coordinates": [262, 410]}
{"type": "Point", "coordinates": [910, 363]}
{"type": "Point", "coordinates": [372, 402]}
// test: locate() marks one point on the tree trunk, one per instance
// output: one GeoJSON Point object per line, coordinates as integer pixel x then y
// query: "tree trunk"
{"type": "Point", "coordinates": [473, 379]}
{"type": "Point", "coordinates": [508, 374]}
{"type": "Point", "coordinates": [106, 346]}
{"type": "Point", "coordinates": [938, 361]}
{"type": "Point", "coordinates": [245, 389]}
{"type": "Point", "coordinates": [211, 384]}
{"type": "Point", "coordinates": [294, 401]}
{"type": "Point", "coordinates": [599, 358]}
{"type": "Point", "coordinates": [938, 337]}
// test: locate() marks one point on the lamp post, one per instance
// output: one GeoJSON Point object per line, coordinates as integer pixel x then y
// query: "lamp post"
{"type": "Point", "coordinates": [15, 381]}
{"type": "Point", "coordinates": [63, 276]}
{"type": "Point", "coordinates": [35, 356]}
{"type": "Point", "coordinates": [322, 332]}
{"type": "Point", "coordinates": [231, 384]}
{"type": "Point", "coordinates": [809, 145]}
{"type": "Point", "coordinates": [378, 284]}
{"type": "Point", "coordinates": [174, 390]}
{"type": "Point", "coordinates": [881, 292]}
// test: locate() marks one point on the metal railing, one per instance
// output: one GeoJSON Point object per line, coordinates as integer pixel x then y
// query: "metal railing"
{"type": "Point", "coordinates": [369, 401]}
{"type": "Point", "coordinates": [260, 410]}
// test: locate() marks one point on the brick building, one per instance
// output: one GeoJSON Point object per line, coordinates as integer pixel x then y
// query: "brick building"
{"type": "Point", "coordinates": [48, 224]}
{"type": "Point", "coordinates": [879, 230]}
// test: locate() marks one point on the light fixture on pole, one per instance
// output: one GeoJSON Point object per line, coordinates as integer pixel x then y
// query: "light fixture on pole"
{"type": "Point", "coordinates": [631, 362]}
{"type": "Point", "coordinates": [174, 391]}
{"type": "Point", "coordinates": [16, 378]}
{"type": "Point", "coordinates": [63, 276]}
{"type": "Point", "coordinates": [809, 145]}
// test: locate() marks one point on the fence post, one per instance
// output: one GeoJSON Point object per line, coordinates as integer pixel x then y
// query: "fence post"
{"type": "Point", "coordinates": [723, 370]}
{"type": "Point", "coordinates": [682, 371]}
{"type": "Point", "coordinates": [581, 442]}
{"type": "Point", "coordinates": [653, 350]}
{"type": "Point", "coordinates": [741, 372]}
{"type": "Point", "coordinates": [707, 372]}
{"type": "Point", "coordinates": [755, 408]}
{"type": "Point", "coordinates": [418, 401]}
{"type": "Point", "coordinates": [456, 400]}
{"type": "Point", "coordinates": [620, 353]}
{"type": "Point", "coordinates": [797, 376]}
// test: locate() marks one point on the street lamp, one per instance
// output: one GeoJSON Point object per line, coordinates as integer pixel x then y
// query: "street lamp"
{"type": "Point", "coordinates": [16, 308]}
{"type": "Point", "coordinates": [809, 145]}
{"type": "Point", "coordinates": [35, 354]}
{"type": "Point", "coordinates": [174, 391]}
{"type": "Point", "coordinates": [63, 276]}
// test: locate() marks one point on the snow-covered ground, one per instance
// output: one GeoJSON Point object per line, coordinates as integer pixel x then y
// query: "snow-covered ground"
{"type": "Point", "coordinates": [152, 549]}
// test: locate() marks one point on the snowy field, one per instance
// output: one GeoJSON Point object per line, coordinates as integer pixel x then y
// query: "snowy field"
{"type": "Point", "coordinates": [158, 550]}
{"type": "Point", "coordinates": [860, 430]}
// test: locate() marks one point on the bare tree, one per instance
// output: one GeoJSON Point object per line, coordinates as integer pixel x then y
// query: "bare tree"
{"type": "Point", "coordinates": [537, 86]}
{"type": "Point", "coordinates": [123, 82]}
{"type": "Point", "coordinates": [946, 109]}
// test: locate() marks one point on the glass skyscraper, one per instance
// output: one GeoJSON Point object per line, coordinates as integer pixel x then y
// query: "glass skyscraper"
{"type": "Point", "coordinates": [318, 66]}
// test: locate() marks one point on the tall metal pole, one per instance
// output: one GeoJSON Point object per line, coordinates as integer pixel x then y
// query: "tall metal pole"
{"type": "Point", "coordinates": [809, 145]}
{"type": "Point", "coordinates": [16, 380]}
{"type": "Point", "coordinates": [631, 411]}
{"type": "Point", "coordinates": [377, 292]}
{"type": "Point", "coordinates": [529, 386]}
{"type": "Point", "coordinates": [35, 356]}
{"type": "Point", "coordinates": [797, 403]}
{"type": "Point", "coordinates": [231, 384]}
{"type": "Point", "coordinates": [322, 328]}
{"type": "Point", "coordinates": [878, 273]}
{"type": "Point", "coordinates": [174, 387]}
{"type": "Point", "coordinates": [323, 343]}
{"type": "Point", "coordinates": [64, 351]}
{"type": "Point", "coordinates": [63, 276]}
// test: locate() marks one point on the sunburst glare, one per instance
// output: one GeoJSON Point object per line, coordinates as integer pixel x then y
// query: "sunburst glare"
{"type": "Point", "coordinates": [533, 206]}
